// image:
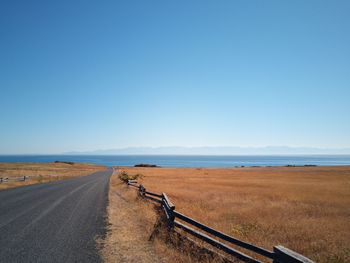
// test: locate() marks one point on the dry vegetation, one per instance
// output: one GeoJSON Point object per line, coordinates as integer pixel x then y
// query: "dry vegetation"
{"type": "Point", "coordinates": [43, 172]}
{"type": "Point", "coordinates": [306, 209]}
{"type": "Point", "coordinates": [124, 218]}
{"type": "Point", "coordinates": [135, 231]}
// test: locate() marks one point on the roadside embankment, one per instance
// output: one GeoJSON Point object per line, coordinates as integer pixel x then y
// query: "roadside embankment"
{"type": "Point", "coordinates": [134, 233]}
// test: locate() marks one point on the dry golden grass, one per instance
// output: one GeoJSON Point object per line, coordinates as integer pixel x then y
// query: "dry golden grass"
{"type": "Point", "coordinates": [306, 209]}
{"type": "Point", "coordinates": [43, 172]}
{"type": "Point", "coordinates": [132, 221]}
{"type": "Point", "coordinates": [127, 239]}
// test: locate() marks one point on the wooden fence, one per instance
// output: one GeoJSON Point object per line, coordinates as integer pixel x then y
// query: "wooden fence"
{"type": "Point", "coordinates": [7, 179]}
{"type": "Point", "coordinates": [213, 237]}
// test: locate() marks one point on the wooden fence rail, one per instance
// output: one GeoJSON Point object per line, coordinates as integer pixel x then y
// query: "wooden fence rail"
{"type": "Point", "coordinates": [20, 178]}
{"type": "Point", "coordinates": [211, 236]}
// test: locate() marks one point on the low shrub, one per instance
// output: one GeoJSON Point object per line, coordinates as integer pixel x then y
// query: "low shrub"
{"type": "Point", "coordinates": [124, 176]}
{"type": "Point", "coordinates": [145, 165]}
{"type": "Point", "coordinates": [71, 163]}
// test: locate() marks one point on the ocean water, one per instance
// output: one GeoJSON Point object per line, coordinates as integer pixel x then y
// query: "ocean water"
{"type": "Point", "coordinates": [186, 160]}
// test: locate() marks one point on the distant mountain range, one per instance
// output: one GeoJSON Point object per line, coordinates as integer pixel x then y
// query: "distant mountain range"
{"type": "Point", "coordinates": [178, 150]}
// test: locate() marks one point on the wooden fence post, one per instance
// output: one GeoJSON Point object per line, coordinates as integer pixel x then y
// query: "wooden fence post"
{"type": "Point", "coordinates": [169, 207]}
{"type": "Point", "coordinates": [142, 190]}
{"type": "Point", "coordinates": [285, 255]}
{"type": "Point", "coordinates": [172, 217]}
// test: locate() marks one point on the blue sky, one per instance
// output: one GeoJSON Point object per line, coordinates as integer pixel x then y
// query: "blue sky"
{"type": "Point", "coordinates": [85, 75]}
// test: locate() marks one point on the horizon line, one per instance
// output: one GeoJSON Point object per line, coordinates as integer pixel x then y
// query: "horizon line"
{"type": "Point", "coordinates": [203, 150]}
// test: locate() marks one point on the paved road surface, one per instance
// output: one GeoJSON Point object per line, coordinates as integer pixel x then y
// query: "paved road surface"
{"type": "Point", "coordinates": [54, 222]}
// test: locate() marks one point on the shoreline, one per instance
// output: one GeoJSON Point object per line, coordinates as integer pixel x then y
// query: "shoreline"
{"type": "Point", "coordinates": [156, 166]}
{"type": "Point", "coordinates": [181, 161]}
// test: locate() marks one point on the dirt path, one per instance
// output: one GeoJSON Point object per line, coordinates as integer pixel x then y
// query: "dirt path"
{"type": "Point", "coordinates": [127, 238]}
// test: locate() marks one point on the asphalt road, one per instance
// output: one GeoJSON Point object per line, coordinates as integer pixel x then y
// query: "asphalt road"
{"type": "Point", "coordinates": [54, 222]}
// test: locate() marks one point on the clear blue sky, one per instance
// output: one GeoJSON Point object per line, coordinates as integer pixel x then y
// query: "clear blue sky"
{"type": "Point", "coordinates": [85, 75]}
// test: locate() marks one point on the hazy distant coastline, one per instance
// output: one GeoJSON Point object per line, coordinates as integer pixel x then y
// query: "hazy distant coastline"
{"type": "Point", "coordinates": [178, 150]}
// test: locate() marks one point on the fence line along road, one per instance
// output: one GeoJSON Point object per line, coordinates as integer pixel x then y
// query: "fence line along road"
{"type": "Point", "coordinates": [20, 178]}
{"type": "Point", "coordinates": [175, 219]}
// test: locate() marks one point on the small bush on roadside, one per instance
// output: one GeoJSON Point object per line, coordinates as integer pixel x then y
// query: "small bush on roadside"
{"type": "Point", "coordinates": [124, 176]}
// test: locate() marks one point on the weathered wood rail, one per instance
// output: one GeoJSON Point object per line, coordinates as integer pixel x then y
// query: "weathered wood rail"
{"type": "Point", "coordinates": [7, 179]}
{"type": "Point", "coordinates": [215, 238]}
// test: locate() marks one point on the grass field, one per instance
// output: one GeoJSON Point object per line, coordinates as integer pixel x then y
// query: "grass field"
{"type": "Point", "coordinates": [306, 209]}
{"type": "Point", "coordinates": [131, 223]}
{"type": "Point", "coordinates": [43, 172]}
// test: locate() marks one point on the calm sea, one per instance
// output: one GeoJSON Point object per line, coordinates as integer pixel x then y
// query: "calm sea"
{"type": "Point", "coordinates": [186, 161]}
